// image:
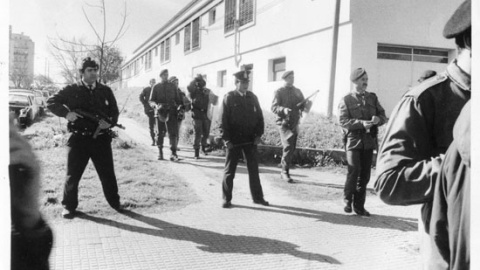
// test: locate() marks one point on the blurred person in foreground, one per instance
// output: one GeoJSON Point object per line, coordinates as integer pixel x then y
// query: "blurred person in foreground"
{"type": "Point", "coordinates": [420, 129]}
{"type": "Point", "coordinates": [144, 98]}
{"type": "Point", "coordinates": [89, 139]}
{"type": "Point", "coordinates": [360, 114]}
{"type": "Point", "coordinates": [242, 126]}
{"type": "Point", "coordinates": [32, 238]}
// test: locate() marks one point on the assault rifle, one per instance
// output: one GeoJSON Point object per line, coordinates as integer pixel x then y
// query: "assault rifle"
{"type": "Point", "coordinates": [307, 100]}
{"type": "Point", "coordinates": [96, 118]}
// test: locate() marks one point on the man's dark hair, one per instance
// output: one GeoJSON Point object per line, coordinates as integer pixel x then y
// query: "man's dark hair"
{"type": "Point", "coordinates": [88, 62]}
{"type": "Point", "coordinates": [464, 40]}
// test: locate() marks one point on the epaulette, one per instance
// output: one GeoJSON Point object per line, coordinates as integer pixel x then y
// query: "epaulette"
{"type": "Point", "coordinates": [427, 84]}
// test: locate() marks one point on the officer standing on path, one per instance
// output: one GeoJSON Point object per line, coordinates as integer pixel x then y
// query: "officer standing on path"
{"type": "Point", "coordinates": [202, 99]}
{"type": "Point", "coordinates": [95, 98]}
{"type": "Point", "coordinates": [360, 115]}
{"type": "Point", "coordinates": [420, 128]}
{"type": "Point", "coordinates": [165, 99]}
{"type": "Point", "coordinates": [144, 98]}
{"type": "Point", "coordinates": [241, 126]}
{"type": "Point", "coordinates": [284, 105]}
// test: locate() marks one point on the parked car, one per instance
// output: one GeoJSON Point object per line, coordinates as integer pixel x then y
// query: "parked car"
{"type": "Point", "coordinates": [40, 100]}
{"type": "Point", "coordinates": [24, 107]}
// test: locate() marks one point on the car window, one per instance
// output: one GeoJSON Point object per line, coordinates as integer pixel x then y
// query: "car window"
{"type": "Point", "coordinates": [18, 99]}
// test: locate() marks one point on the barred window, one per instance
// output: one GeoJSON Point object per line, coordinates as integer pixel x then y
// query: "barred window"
{"type": "Point", "coordinates": [408, 53]}
{"type": "Point", "coordinates": [148, 60]}
{"type": "Point", "coordinates": [162, 52]}
{"type": "Point", "coordinates": [245, 14]}
{"type": "Point", "coordinates": [187, 43]}
{"type": "Point", "coordinates": [196, 33]}
{"type": "Point", "coordinates": [167, 49]}
{"type": "Point", "coordinates": [230, 15]}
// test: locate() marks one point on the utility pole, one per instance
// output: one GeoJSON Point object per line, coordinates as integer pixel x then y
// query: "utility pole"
{"type": "Point", "coordinates": [333, 61]}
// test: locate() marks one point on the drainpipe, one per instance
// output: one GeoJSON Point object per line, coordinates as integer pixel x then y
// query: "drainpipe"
{"type": "Point", "coordinates": [333, 61]}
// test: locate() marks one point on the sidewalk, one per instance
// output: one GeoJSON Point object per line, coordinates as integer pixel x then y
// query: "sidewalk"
{"type": "Point", "coordinates": [289, 234]}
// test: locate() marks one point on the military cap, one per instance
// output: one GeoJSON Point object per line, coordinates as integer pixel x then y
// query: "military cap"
{"type": "Point", "coordinates": [242, 75]}
{"type": "Point", "coordinates": [88, 62]}
{"type": "Point", "coordinates": [200, 80]}
{"type": "Point", "coordinates": [357, 73]}
{"type": "Point", "coordinates": [287, 73]}
{"type": "Point", "coordinates": [172, 79]}
{"type": "Point", "coordinates": [427, 74]}
{"type": "Point", "coordinates": [163, 72]}
{"type": "Point", "coordinates": [460, 21]}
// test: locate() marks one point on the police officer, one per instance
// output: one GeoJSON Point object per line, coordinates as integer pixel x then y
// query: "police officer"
{"type": "Point", "coordinates": [360, 115]}
{"type": "Point", "coordinates": [144, 98]}
{"type": "Point", "coordinates": [181, 109]}
{"type": "Point", "coordinates": [201, 102]}
{"type": "Point", "coordinates": [165, 99]}
{"type": "Point", "coordinates": [94, 98]}
{"type": "Point", "coordinates": [420, 128]}
{"type": "Point", "coordinates": [241, 126]}
{"type": "Point", "coordinates": [284, 105]}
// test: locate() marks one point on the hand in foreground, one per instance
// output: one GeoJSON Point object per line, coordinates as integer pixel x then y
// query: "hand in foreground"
{"type": "Point", "coordinates": [72, 116]}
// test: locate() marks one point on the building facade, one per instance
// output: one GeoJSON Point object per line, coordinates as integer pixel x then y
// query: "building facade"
{"type": "Point", "coordinates": [394, 40]}
{"type": "Point", "coordinates": [21, 60]}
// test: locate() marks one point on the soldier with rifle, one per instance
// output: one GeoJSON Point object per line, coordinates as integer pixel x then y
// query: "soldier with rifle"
{"type": "Point", "coordinates": [144, 99]}
{"type": "Point", "coordinates": [241, 126]}
{"type": "Point", "coordinates": [91, 110]}
{"type": "Point", "coordinates": [288, 104]}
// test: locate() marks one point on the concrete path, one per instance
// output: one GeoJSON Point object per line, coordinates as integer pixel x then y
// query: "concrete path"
{"type": "Point", "coordinates": [289, 234]}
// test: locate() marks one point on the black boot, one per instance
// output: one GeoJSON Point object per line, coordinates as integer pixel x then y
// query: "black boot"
{"type": "Point", "coordinates": [285, 175]}
{"type": "Point", "coordinates": [174, 156]}
{"type": "Point", "coordinates": [204, 150]}
{"type": "Point", "coordinates": [197, 153]}
{"type": "Point", "coordinates": [154, 142]}
{"type": "Point", "coordinates": [160, 153]}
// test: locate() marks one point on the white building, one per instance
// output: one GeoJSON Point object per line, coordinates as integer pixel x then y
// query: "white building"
{"type": "Point", "coordinates": [21, 58]}
{"type": "Point", "coordinates": [395, 41]}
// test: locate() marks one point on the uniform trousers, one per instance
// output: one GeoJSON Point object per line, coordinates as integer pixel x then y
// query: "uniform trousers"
{"type": "Point", "coordinates": [231, 161]}
{"type": "Point", "coordinates": [172, 127]}
{"type": "Point", "coordinates": [151, 124]}
{"type": "Point", "coordinates": [288, 137]}
{"type": "Point", "coordinates": [358, 175]}
{"type": "Point", "coordinates": [80, 150]}
{"type": "Point", "coordinates": [202, 132]}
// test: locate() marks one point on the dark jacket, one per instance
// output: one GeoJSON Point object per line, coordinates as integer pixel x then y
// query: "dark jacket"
{"type": "Point", "coordinates": [145, 98]}
{"type": "Point", "coordinates": [352, 111]}
{"type": "Point", "coordinates": [166, 93]}
{"type": "Point", "coordinates": [450, 221]}
{"type": "Point", "coordinates": [200, 100]}
{"type": "Point", "coordinates": [241, 118]}
{"type": "Point", "coordinates": [287, 97]}
{"type": "Point", "coordinates": [101, 102]}
{"type": "Point", "coordinates": [419, 131]}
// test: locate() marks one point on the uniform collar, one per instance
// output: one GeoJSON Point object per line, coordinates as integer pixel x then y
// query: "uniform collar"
{"type": "Point", "coordinates": [94, 85]}
{"type": "Point", "coordinates": [458, 76]}
{"type": "Point", "coordinates": [241, 94]}
{"type": "Point", "coordinates": [358, 95]}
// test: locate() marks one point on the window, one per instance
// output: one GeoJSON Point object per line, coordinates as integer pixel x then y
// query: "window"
{"type": "Point", "coordinates": [211, 16]}
{"type": "Point", "coordinates": [156, 51]}
{"type": "Point", "coordinates": [221, 78]}
{"type": "Point", "coordinates": [407, 53]}
{"type": "Point", "coordinates": [276, 68]}
{"type": "Point", "coordinates": [244, 13]}
{"type": "Point", "coordinates": [148, 60]}
{"type": "Point", "coordinates": [167, 50]}
{"type": "Point", "coordinates": [162, 52]}
{"type": "Point", "coordinates": [187, 43]}
{"type": "Point", "coordinates": [177, 38]}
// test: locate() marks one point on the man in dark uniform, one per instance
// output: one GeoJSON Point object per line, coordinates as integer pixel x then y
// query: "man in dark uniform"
{"type": "Point", "coordinates": [94, 98]}
{"type": "Point", "coordinates": [360, 115]}
{"type": "Point", "coordinates": [182, 109]}
{"type": "Point", "coordinates": [450, 221]}
{"type": "Point", "coordinates": [201, 101]}
{"type": "Point", "coordinates": [284, 105]}
{"type": "Point", "coordinates": [241, 126]}
{"type": "Point", "coordinates": [144, 98]}
{"type": "Point", "coordinates": [166, 100]}
{"type": "Point", "coordinates": [420, 128]}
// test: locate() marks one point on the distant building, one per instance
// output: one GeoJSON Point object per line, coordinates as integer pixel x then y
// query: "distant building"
{"type": "Point", "coordinates": [394, 40]}
{"type": "Point", "coordinates": [21, 59]}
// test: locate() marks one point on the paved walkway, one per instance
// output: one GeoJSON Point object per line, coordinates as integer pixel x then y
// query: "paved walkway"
{"type": "Point", "coordinates": [289, 234]}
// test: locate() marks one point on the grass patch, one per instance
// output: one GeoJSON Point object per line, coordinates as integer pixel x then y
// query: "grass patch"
{"type": "Point", "coordinates": [142, 183]}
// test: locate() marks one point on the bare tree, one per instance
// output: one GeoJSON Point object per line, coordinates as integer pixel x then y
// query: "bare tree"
{"type": "Point", "coordinates": [69, 52]}
{"type": "Point", "coordinates": [19, 75]}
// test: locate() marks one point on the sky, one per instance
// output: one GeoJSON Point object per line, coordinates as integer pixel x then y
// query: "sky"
{"type": "Point", "coordinates": [41, 20]}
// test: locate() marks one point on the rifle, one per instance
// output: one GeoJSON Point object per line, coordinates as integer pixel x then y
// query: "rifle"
{"type": "Point", "coordinates": [308, 98]}
{"type": "Point", "coordinates": [96, 118]}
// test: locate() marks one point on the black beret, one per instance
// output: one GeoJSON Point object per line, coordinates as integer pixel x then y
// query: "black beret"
{"type": "Point", "coordinates": [200, 80]}
{"type": "Point", "coordinates": [460, 21]}
{"type": "Point", "coordinates": [172, 79]}
{"type": "Point", "coordinates": [242, 75]}
{"type": "Point", "coordinates": [287, 73]}
{"type": "Point", "coordinates": [163, 72]}
{"type": "Point", "coordinates": [88, 62]}
{"type": "Point", "coordinates": [357, 73]}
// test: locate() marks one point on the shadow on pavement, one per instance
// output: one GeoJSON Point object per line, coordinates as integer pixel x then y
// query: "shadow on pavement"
{"type": "Point", "coordinates": [374, 221]}
{"type": "Point", "coordinates": [211, 241]}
